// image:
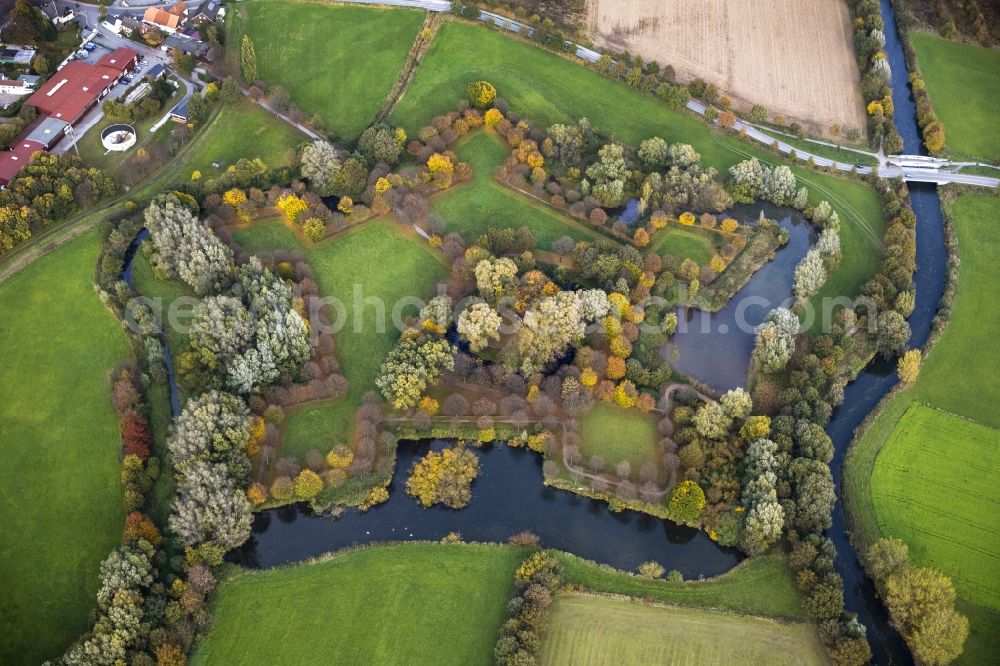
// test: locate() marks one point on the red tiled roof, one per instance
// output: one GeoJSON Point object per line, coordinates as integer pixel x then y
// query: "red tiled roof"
{"type": "Point", "coordinates": [160, 17]}
{"type": "Point", "coordinates": [13, 160]}
{"type": "Point", "coordinates": [10, 82]}
{"type": "Point", "coordinates": [121, 59]}
{"type": "Point", "coordinates": [72, 90]}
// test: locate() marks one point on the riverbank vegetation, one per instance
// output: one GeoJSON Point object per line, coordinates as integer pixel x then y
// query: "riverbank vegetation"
{"type": "Point", "coordinates": [893, 443]}
{"type": "Point", "coordinates": [60, 449]}
{"type": "Point", "coordinates": [269, 419]}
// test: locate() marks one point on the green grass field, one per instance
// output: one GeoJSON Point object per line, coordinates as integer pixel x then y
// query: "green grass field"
{"type": "Point", "coordinates": [440, 604]}
{"type": "Point", "coordinates": [60, 502]}
{"type": "Point", "coordinates": [339, 62]}
{"type": "Point", "coordinates": [547, 88]}
{"type": "Point", "coordinates": [763, 586]}
{"type": "Point", "coordinates": [473, 208]}
{"type": "Point", "coordinates": [619, 434]}
{"type": "Point", "coordinates": [693, 243]}
{"type": "Point", "coordinates": [964, 83]}
{"type": "Point", "coordinates": [592, 630]}
{"type": "Point", "coordinates": [355, 258]}
{"type": "Point", "coordinates": [934, 486]}
{"type": "Point", "coordinates": [408, 603]}
{"type": "Point", "coordinates": [958, 377]}
{"type": "Point", "coordinates": [242, 130]}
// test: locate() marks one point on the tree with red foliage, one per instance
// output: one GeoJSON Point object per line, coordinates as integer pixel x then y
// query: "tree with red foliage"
{"type": "Point", "coordinates": [136, 436]}
{"type": "Point", "coordinates": [138, 526]}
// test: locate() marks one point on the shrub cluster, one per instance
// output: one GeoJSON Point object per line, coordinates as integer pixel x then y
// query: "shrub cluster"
{"type": "Point", "coordinates": [535, 581]}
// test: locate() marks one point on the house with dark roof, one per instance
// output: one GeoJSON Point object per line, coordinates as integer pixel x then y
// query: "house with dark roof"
{"type": "Point", "coordinates": [208, 11]}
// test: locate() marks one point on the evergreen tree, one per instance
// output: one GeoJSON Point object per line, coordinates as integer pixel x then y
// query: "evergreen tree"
{"type": "Point", "coordinates": [248, 60]}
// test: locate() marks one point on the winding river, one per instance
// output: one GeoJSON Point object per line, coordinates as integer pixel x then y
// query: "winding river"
{"type": "Point", "coordinates": [509, 495]}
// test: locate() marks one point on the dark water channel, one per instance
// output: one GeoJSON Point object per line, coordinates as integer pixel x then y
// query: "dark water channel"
{"type": "Point", "coordinates": [168, 361]}
{"type": "Point", "coordinates": [509, 496]}
{"type": "Point", "coordinates": [715, 347]}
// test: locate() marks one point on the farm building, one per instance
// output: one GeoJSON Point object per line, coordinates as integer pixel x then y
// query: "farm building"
{"type": "Point", "coordinates": [47, 132]}
{"type": "Point", "coordinates": [78, 87]}
{"type": "Point", "coordinates": [13, 160]}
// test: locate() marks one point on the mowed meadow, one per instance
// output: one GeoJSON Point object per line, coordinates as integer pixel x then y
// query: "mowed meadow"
{"type": "Point", "coordinates": [339, 62]}
{"type": "Point", "coordinates": [413, 603]}
{"type": "Point", "coordinates": [963, 81]}
{"type": "Point", "coordinates": [61, 497]}
{"type": "Point", "coordinates": [926, 470]}
{"type": "Point", "coordinates": [587, 630]}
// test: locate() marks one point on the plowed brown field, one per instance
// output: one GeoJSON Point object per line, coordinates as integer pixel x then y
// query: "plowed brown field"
{"type": "Point", "coordinates": [795, 57]}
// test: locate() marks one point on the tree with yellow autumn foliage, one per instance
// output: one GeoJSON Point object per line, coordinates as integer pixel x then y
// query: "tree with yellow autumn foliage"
{"type": "Point", "coordinates": [291, 207]}
{"type": "Point", "coordinates": [444, 477]}
{"type": "Point", "coordinates": [908, 366]}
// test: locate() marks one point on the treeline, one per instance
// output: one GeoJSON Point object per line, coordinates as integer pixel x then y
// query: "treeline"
{"type": "Point", "coordinates": [152, 598]}
{"type": "Point", "coordinates": [976, 20]}
{"type": "Point", "coordinates": [930, 127]}
{"type": "Point", "coordinates": [876, 75]}
{"type": "Point", "coordinates": [49, 189]}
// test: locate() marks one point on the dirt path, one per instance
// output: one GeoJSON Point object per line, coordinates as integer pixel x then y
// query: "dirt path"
{"type": "Point", "coordinates": [422, 42]}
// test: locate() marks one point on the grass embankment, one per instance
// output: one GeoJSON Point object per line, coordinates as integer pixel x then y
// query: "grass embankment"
{"type": "Point", "coordinates": [931, 478]}
{"type": "Point", "coordinates": [618, 434]}
{"type": "Point", "coordinates": [409, 603]}
{"type": "Point", "coordinates": [339, 62]}
{"type": "Point", "coordinates": [963, 81]}
{"type": "Point", "coordinates": [60, 502]}
{"type": "Point", "coordinates": [384, 263]}
{"type": "Point", "coordinates": [931, 465]}
{"type": "Point", "coordinates": [836, 153]}
{"type": "Point", "coordinates": [763, 586]}
{"type": "Point", "coordinates": [586, 629]}
{"type": "Point", "coordinates": [547, 88]}
{"type": "Point", "coordinates": [242, 130]}
{"type": "Point", "coordinates": [470, 209]}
